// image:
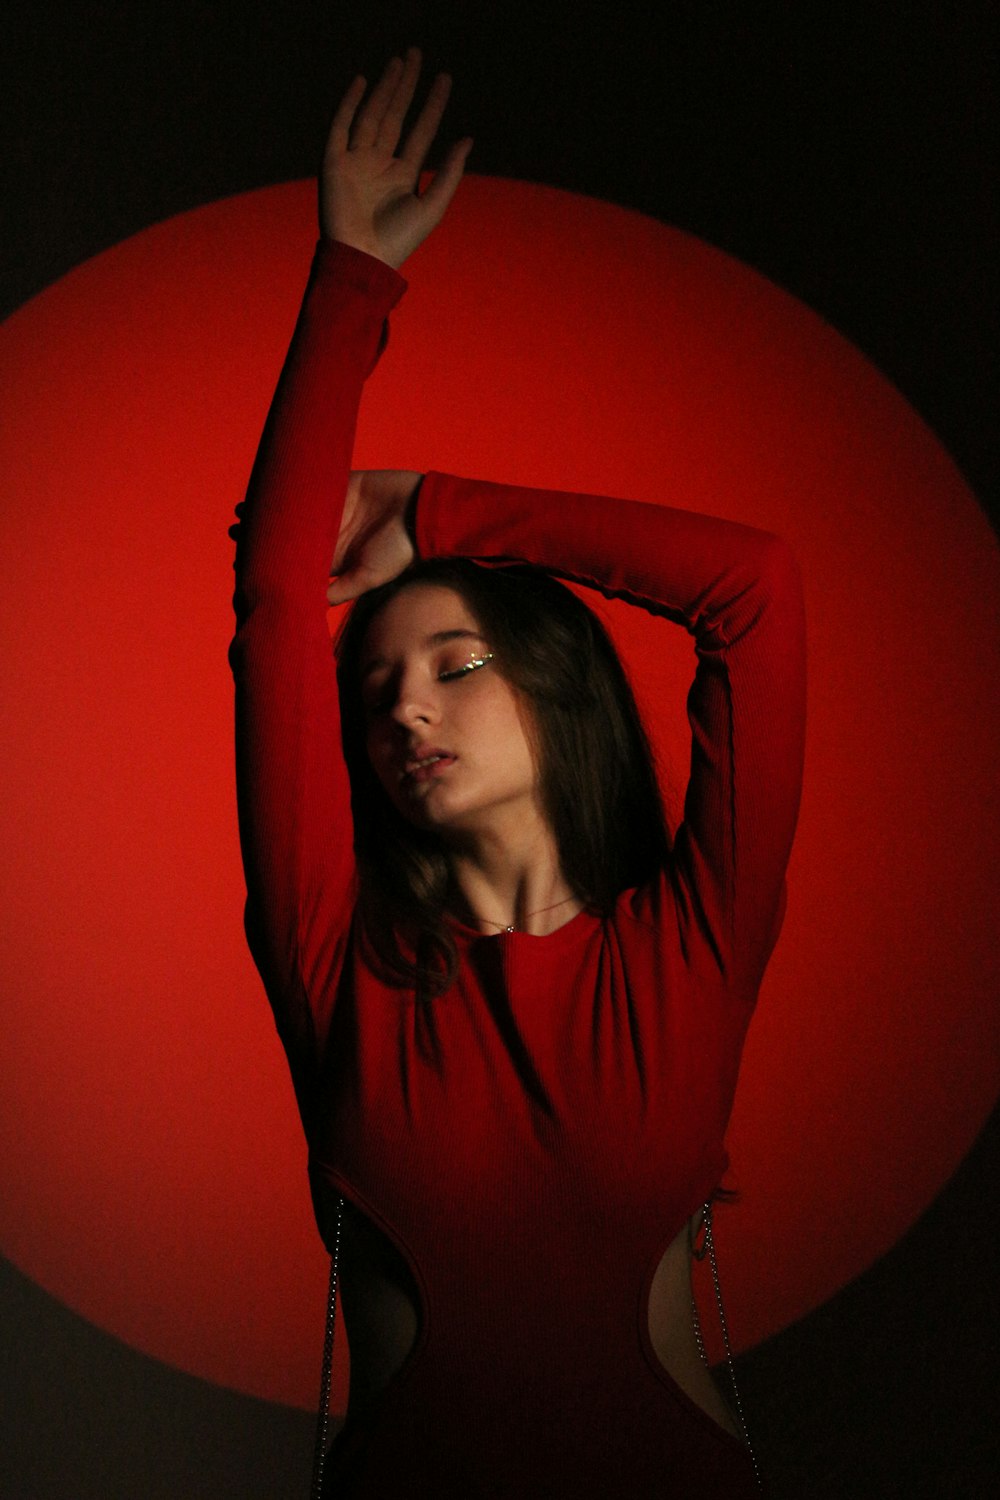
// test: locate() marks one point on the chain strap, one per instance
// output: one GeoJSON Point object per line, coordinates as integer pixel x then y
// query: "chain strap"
{"type": "Point", "coordinates": [326, 1379]}
{"type": "Point", "coordinates": [709, 1246]}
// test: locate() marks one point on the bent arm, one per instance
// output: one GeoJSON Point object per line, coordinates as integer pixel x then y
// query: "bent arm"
{"type": "Point", "coordinates": [292, 786]}
{"type": "Point", "coordinates": [738, 591]}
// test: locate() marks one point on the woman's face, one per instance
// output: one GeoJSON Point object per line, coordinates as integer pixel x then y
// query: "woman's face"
{"type": "Point", "coordinates": [444, 731]}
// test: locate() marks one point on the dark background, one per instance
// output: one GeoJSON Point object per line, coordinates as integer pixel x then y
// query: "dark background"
{"type": "Point", "coordinates": [842, 151]}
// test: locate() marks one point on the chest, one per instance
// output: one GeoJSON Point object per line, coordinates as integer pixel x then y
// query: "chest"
{"type": "Point", "coordinates": [592, 1085]}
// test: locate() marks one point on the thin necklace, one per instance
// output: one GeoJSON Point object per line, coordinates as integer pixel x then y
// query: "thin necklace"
{"type": "Point", "coordinates": [537, 913]}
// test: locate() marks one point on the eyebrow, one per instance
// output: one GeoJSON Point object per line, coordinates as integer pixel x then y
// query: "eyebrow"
{"type": "Point", "coordinates": [438, 638]}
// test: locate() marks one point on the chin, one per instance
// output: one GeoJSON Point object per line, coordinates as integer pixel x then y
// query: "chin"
{"type": "Point", "coordinates": [422, 812]}
{"type": "Point", "coordinates": [446, 821]}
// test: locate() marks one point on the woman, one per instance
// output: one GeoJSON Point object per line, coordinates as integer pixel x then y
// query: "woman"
{"type": "Point", "coordinates": [513, 1013]}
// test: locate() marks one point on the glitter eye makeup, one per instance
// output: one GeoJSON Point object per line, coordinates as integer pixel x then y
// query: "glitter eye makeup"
{"type": "Point", "coordinates": [378, 700]}
{"type": "Point", "coordinates": [472, 665]}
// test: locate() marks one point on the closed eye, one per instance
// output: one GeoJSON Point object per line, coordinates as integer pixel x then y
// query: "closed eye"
{"type": "Point", "coordinates": [472, 665]}
{"type": "Point", "coordinates": [382, 698]}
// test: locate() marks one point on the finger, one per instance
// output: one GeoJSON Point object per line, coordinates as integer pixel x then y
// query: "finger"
{"type": "Point", "coordinates": [425, 126]}
{"type": "Point", "coordinates": [445, 181]}
{"type": "Point", "coordinates": [339, 130]}
{"type": "Point", "coordinates": [347, 587]}
{"type": "Point", "coordinates": [387, 136]}
{"type": "Point", "coordinates": [368, 121]}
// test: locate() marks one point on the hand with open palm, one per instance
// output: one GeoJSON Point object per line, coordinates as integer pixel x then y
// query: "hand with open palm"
{"type": "Point", "coordinates": [367, 193]}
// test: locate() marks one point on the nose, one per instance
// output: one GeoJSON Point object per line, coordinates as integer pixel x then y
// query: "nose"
{"type": "Point", "coordinates": [415, 702]}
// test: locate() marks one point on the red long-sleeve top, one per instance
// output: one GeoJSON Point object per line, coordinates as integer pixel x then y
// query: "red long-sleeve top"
{"type": "Point", "coordinates": [533, 1139]}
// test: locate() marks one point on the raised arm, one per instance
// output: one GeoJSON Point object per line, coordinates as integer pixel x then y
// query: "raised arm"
{"type": "Point", "coordinates": [738, 591]}
{"type": "Point", "coordinates": [292, 788]}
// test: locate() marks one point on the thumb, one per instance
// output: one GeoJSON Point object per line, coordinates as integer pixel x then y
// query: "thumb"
{"type": "Point", "coordinates": [346, 586]}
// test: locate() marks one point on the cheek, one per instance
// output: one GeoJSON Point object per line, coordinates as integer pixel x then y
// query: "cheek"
{"type": "Point", "coordinates": [507, 730]}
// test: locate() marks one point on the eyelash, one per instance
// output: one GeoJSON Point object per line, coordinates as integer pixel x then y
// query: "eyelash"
{"type": "Point", "coordinates": [472, 665]}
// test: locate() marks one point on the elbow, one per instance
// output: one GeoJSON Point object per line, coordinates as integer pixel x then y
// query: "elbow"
{"type": "Point", "coordinates": [271, 621]}
{"type": "Point", "coordinates": [761, 589]}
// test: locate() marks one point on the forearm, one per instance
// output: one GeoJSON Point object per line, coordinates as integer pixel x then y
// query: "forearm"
{"type": "Point", "coordinates": [672, 560]}
{"type": "Point", "coordinates": [292, 791]}
{"type": "Point", "coordinates": [291, 516]}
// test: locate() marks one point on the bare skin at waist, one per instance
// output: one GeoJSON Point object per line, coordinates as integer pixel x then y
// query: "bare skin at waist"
{"type": "Point", "coordinates": [381, 1316]}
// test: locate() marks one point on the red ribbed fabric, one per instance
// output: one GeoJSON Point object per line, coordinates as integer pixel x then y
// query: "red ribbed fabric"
{"type": "Point", "coordinates": [532, 1140]}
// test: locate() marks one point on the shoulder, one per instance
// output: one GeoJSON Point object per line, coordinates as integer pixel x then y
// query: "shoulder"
{"type": "Point", "coordinates": [664, 936]}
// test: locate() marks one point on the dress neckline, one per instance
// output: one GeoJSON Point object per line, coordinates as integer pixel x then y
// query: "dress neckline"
{"type": "Point", "coordinates": [580, 923]}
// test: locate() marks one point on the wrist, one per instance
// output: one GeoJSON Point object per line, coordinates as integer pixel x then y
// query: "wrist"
{"type": "Point", "coordinates": [359, 242]}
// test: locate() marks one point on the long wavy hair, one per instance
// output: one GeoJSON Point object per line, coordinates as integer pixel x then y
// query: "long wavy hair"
{"type": "Point", "coordinates": [597, 779]}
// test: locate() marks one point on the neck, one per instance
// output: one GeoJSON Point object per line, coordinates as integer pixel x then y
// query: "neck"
{"type": "Point", "coordinates": [517, 883]}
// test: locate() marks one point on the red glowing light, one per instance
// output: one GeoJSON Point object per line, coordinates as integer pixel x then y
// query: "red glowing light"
{"type": "Point", "coordinates": [153, 1172]}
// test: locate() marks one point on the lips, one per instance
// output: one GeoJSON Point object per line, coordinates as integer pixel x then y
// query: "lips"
{"type": "Point", "coordinates": [425, 762]}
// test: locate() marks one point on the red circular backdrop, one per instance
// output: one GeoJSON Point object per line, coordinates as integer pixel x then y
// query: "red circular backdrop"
{"type": "Point", "coordinates": [153, 1172]}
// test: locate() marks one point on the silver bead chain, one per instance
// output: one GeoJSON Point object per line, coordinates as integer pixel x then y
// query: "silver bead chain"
{"type": "Point", "coordinates": [706, 1216]}
{"type": "Point", "coordinates": [326, 1379]}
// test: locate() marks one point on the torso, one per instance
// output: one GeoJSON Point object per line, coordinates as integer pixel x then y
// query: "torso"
{"type": "Point", "coordinates": [381, 1316]}
{"type": "Point", "coordinates": [380, 1305]}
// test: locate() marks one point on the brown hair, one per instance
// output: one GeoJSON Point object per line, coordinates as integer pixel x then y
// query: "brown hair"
{"type": "Point", "coordinates": [596, 773]}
